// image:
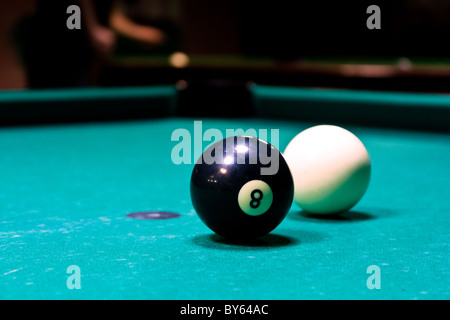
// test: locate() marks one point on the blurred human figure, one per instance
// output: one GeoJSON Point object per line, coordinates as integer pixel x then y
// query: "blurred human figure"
{"type": "Point", "coordinates": [146, 26]}
{"type": "Point", "coordinates": [12, 72]}
{"type": "Point", "coordinates": [56, 56]}
{"type": "Point", "coordinates": [121, 23]}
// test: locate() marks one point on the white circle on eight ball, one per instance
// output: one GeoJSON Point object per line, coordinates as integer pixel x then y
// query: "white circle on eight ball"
{"type": "Point", "coordinates": [255, 197]}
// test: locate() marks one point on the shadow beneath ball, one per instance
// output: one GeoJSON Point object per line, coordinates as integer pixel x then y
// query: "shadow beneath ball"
{"type": "Point", "coordinates": [265, 242]}
{"type": "Point", "coordinates": [347, 216]}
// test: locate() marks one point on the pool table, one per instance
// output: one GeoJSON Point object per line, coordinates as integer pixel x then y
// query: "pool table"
{"type": "Point", "coordinates": [76, 163]}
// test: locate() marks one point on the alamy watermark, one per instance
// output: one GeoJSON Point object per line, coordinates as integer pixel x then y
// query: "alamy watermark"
{"type": "Point", "coordinates": [74, 280]}
{"type": "Point", "coordinates": [190, 148]}
{"type": "Point", "coordinates": [374, 280]}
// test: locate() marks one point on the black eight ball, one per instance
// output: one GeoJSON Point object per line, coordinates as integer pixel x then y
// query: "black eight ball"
{"type": "Point", "coordinates": [241, 187]}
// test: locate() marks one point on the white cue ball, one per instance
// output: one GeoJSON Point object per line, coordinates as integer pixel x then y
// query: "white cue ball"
{"type": "Point", "coordinates": [330, 167]}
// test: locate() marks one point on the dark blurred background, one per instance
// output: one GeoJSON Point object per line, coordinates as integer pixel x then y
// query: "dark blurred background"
{"type": "Point", "coordinates": [37, 50]}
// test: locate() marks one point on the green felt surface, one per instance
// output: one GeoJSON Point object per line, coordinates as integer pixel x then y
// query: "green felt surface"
{"type": "Point", "coordinates": [65, 192]}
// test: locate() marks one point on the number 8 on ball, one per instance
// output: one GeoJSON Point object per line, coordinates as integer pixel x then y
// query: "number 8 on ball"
{"type": "Point", "coordinates": [255, 197]}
